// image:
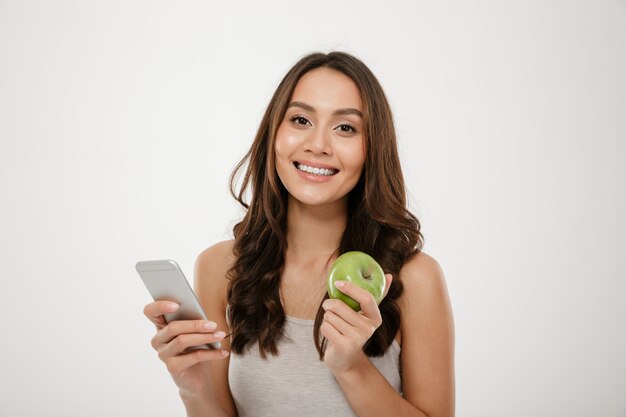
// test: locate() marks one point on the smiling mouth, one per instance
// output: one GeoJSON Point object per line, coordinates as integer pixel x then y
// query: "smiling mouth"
{"type": "Point", "coordinates": [325, 172]}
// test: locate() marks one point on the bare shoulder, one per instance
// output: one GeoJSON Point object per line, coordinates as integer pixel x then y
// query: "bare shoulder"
{"type": "Point", "coordinates": [218, 256]}
{"type": "Point", "coordinates": [211, 268]}
{"type": "Point", "coordinates": [423, 277]}
{"type": "Point", "coordinates": [425, 303]}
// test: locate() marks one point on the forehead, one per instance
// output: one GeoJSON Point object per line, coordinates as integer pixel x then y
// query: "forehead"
{"type": "Point", "coordinates": [326, 88]}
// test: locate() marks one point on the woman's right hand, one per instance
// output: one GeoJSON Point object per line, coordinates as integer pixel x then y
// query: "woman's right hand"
{"type": "Point", "coordinates": [172, 341]}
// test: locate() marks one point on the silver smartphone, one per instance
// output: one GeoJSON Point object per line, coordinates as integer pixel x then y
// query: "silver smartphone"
{"type": "Point", "coordinates": [166, 281]}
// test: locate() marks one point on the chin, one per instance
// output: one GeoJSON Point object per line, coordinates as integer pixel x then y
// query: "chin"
{"type": "Point", "coordinates": [314, 200]}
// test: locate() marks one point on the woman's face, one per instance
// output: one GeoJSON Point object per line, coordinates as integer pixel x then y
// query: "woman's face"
{"type": "Point", "coordinates": [319, 144]}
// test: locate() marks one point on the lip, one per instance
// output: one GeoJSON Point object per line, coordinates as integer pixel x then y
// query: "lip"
{"type": "Point", "coordinates": [312, 177]}
{"type": "Point", "coordinates": [315, 165]}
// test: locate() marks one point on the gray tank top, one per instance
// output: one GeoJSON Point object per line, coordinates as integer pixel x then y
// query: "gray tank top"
{"type": "Point", "coordinates": [296, 382]}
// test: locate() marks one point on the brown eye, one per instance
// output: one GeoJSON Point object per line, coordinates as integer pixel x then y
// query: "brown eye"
{"type": "Point", "coordinates": [346, 128]}
{"type": "Point", "coordinates": [299, 120]}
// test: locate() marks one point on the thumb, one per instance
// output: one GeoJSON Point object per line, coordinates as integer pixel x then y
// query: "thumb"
{"type": "Point", "coordinates": [388, 279]}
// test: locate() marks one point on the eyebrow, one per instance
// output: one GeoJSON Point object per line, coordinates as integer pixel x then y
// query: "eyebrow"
{"type": "Point", "coordinates": [338, 112]}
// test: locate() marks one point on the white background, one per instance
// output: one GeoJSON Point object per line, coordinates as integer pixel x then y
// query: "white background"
{"type": "Point", "coordinates": [121, 121]}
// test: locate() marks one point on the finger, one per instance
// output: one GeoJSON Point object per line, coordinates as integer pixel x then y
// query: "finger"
{"type": "Point", "coordinates": [329, 332]}
{"type": "Point", "coordinates": [343, 327]}
{"type": "Point", "coordinates": [359, 322]}
{"type": "Point", "coordinates": [180, 363]}
{"type": "Point", "coordinates": [182, 343]}
{"type": "Point", "coordinates": [361, 296]}
{"type": "Point", "coordinates": [388, 279]}
{"type": "Point", "coordinates": [157, 309]}
{"type": "Point", "coordinates": [369, 307]}
{"type": "Point", "coordinates": [178, 327]}
{"type": "Point", "coordinates": [342, 310]}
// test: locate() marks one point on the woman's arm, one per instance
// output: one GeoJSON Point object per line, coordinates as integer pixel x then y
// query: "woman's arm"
{"type": "Point", "coordinates": [210, 285]}
{"type": "Point", "coordinates": [427, 358]}
{"type": "Point", "coordinates": [202, 374]}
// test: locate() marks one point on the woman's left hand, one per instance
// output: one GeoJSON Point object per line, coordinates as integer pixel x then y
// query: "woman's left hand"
{"type": "Point", "coordinates": [348, 330]}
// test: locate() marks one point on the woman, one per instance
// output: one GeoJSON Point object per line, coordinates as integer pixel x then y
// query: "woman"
{"type": "Point", "coordinates": [324, 178]}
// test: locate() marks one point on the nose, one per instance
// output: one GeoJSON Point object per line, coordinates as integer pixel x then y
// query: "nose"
{"type": "Point", "coordinates": [318, 142]}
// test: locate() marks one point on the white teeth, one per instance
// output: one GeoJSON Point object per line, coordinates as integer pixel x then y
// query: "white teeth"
{"type": "Point", "coordinates": [316, 171]}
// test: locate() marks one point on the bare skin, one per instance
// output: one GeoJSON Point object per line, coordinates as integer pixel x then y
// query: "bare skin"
{"type": "Point", "coordinates": [325, 132]}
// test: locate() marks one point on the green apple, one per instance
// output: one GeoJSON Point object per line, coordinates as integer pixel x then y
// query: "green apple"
{"type": "Point", "coordinates": [360, 269]}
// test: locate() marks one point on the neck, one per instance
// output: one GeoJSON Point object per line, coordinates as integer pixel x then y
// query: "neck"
{"type": "Point", "coordinates": [314, 231]}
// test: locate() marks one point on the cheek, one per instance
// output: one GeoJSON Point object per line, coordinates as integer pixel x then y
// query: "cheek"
{"type": "Point", "coordinates": [284, 143]}
{"type": "Point", "coordinates": [354, 157]}
{"type": "Point", "coordinates": [279, 142]}
{"type": "Point", "coordinates": [283, 149]}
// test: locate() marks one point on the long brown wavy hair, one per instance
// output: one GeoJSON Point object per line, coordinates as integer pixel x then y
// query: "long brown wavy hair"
{"type": "Point", "coordinates": [378, 221]}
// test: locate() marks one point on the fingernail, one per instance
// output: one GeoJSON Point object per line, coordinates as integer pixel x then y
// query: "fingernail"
{"type": "Point", "coordinates": [209, 325]}
{"type": "Point", "coordinates": [219, 335]}
{"type": "Point", "coordinates": [225, 353]}
{"type": "Point", "coordinates": [172, 306]}
{"type": "Point", "coordinates": [340, 284]}
{"type": "Point", "coordinates": [325, 305]}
